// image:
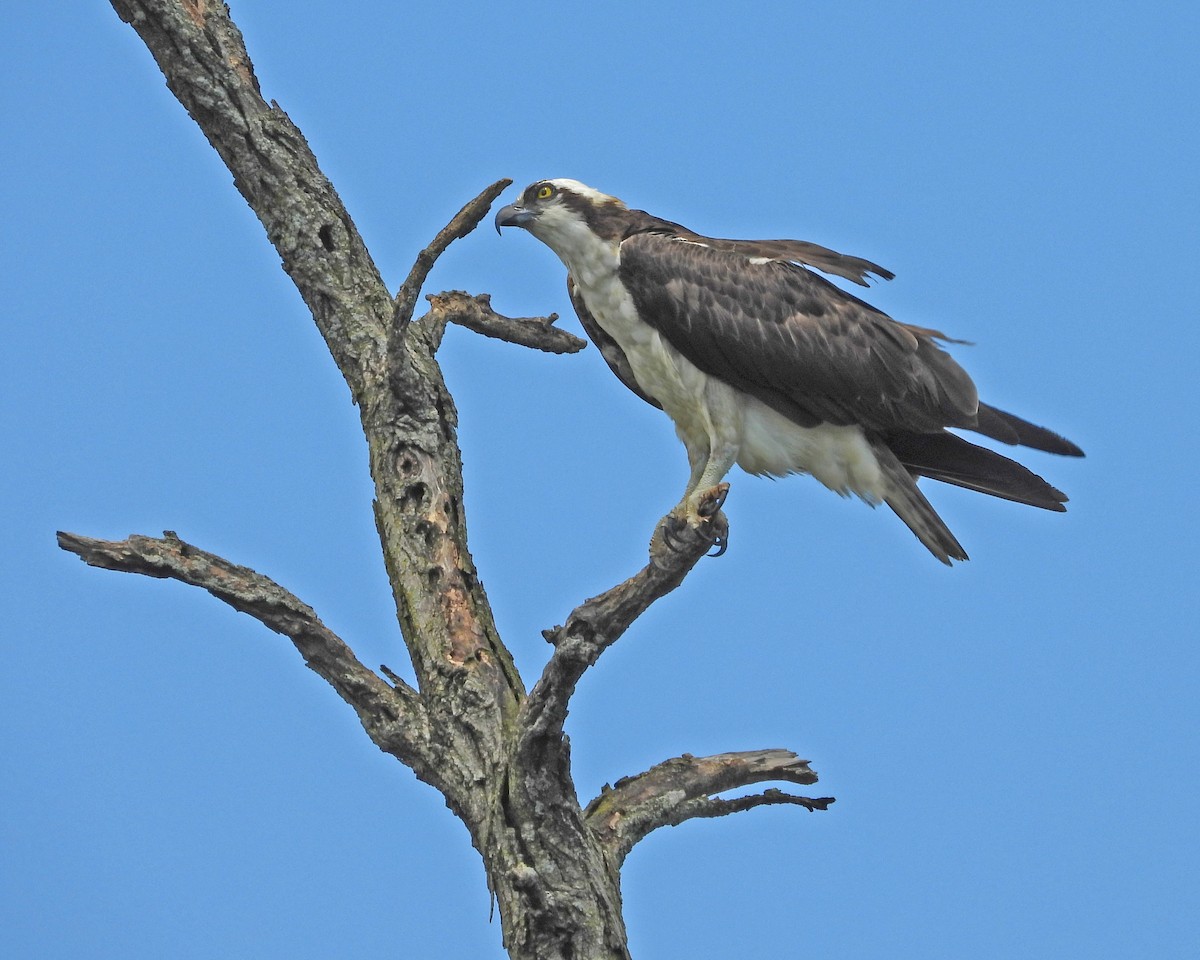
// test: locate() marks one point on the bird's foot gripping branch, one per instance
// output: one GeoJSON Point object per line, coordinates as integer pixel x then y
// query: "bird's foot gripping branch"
{"type": "Point", "coordinates": [698, 515]}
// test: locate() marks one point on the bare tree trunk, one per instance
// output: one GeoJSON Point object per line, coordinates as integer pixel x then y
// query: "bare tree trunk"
{"type": "Point", "coordinates": [469, 728]}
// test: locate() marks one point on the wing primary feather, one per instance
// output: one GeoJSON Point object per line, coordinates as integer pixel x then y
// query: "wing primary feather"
{"type": "Point", "coordinates": [1009, 428]}
{"type": "Point", "coordinates": [855, 269]}
{"type": "Point", "coordinates": [951, 459]}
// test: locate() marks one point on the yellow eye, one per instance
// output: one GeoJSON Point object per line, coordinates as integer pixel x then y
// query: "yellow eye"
{"type": "Point", "coordinates": [545, 192]}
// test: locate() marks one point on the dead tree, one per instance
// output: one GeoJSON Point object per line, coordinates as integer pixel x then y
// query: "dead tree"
{"type": "Point", "coordinates": [469, 728]}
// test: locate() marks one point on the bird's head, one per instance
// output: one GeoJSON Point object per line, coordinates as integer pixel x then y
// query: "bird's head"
{"type": "Point", "coordinates": [563, 214]}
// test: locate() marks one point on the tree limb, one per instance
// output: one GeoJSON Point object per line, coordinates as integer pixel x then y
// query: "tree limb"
{"type": "Point", "coordinates": [683, 789]}
{"type": "Point", "coordinates": [596, 624]}
{"type": "Point", "coordinates": [394, 717]}
{"type": "Point", "coordinates": [476, 313]}
{"type": "Point", "coordinates": [716, 807]}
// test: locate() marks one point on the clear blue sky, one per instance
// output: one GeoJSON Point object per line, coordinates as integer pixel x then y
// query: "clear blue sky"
{"type": "Point", "coordinates": [1012, 742]}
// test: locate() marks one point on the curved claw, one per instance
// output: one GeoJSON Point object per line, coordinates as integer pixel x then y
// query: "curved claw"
{"type": "Point", "coordinates": [718, 528]}
{"type": "Point", "coordinates": [720, 543]}
{"type": "Point", "coordinates": [711, 505]}
{"type": "Point", "coordinates": [670, 533]}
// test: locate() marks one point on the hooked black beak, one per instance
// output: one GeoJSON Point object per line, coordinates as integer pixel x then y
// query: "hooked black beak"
{"type": "Point", "coordinates": [512, 216]}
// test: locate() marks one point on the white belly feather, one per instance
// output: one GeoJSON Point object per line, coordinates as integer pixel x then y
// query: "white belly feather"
{"type": "Point", "coordinates": [708, 412]}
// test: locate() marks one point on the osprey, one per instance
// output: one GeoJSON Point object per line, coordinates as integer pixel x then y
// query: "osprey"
{"type": "Point", "coordinates": [761, 362]}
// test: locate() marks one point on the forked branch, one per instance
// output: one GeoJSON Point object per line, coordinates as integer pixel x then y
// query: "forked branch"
{"type": "Point", "coordinates": [463, 222]}
{"type": "Point", "coordinates": [684, 789]}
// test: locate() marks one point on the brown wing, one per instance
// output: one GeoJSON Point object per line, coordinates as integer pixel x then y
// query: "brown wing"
{"type": "Point", "coordinates": [793, 340]}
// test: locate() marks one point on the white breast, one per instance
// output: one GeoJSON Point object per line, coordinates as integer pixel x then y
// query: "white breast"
{"type": "Point", "coordinates": [660, 370]}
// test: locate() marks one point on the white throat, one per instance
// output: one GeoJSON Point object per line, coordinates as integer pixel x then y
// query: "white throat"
{"type": "Point", "coordinates": [587, 256]}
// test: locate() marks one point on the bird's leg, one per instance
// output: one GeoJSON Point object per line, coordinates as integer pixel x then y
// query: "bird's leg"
{"type": "Point", "coordinates": [673, 524]}
{"type": "Point", "coordinates": [701, 503]}
{"type": "Point", "coordinates": [698, 459]}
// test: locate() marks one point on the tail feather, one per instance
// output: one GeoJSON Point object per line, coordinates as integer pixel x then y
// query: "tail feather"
{"type": "Point", "coordinates": [951, 459]}
{"type": "Point", "coordinates": [1009, 428]}
{"type": "Point", "coordinates": [904, 456]}
{"type": "Point", "coordinates": [910, 505]}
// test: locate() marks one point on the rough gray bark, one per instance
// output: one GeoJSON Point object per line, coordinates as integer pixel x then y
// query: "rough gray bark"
{"type": "Point", "coordinates": [469, 728]}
